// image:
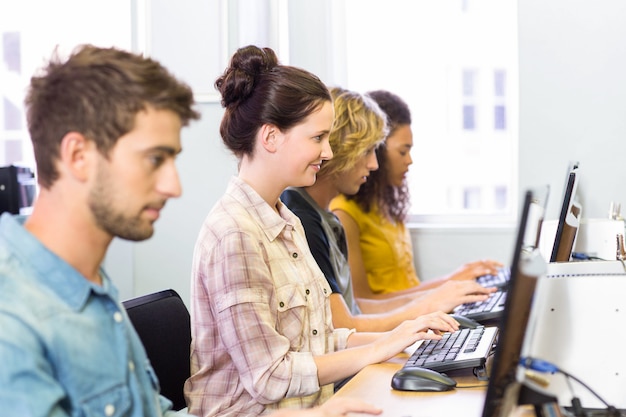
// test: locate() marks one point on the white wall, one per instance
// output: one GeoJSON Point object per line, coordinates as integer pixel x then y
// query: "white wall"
{"type": "Point", "coordinates": [439, 251]}
{"type": "Point", "coordinates": [572, 99]}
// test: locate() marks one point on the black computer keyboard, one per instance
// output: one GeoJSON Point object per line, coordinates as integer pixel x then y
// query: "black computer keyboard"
{"type": "Point", "coordinates": [489, 309]}
{"type": "Point", "coordinates": [501, 279]}
{"type": "Point", "coordinates": [465, 348]}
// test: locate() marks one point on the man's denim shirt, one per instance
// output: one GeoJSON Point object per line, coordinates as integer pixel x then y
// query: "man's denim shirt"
{"type": "Point", "coordinates": [67, 347]}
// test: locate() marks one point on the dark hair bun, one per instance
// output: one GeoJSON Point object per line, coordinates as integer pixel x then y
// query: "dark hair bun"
{"type": "Point", "coordinates": [239, 79]}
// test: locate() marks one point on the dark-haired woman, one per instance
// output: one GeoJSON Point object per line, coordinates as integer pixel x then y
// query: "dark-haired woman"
{"type": "Point", "coordinates": [262, 329]}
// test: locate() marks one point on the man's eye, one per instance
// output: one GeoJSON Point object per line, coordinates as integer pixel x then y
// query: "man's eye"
{"type": "Point", "coordinates": [156, 160]}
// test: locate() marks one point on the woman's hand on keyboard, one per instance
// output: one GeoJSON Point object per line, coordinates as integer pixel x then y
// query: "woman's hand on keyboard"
{"type": "Point", "coordinates": [429, 326]}
{"type": "Point", "coordinates": [439, 322]}
{"type": "Point", "coordinates": [473, 270]}
{"type": "Point", "coordinates": [451, 294]}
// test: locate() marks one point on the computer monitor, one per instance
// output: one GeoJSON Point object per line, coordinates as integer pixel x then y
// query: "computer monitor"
{"type": "Point", "coordinates": [569, 219]}
{"type": "Point", "coordinates": [17, 189]}
{"type": "Point", "coordinates": [527, 266]}
{"type": "Point", "coordinates": [536, 215]}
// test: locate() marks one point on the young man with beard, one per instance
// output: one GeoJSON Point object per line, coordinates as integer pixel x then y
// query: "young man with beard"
{"type": "Point", "coordinates": [105, 126]}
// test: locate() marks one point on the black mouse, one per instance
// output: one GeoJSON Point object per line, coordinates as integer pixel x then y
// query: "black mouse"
{"type": "Point", "coordinates": [465, 322]}
{"type": "Point", "coordinates": [414, 378]}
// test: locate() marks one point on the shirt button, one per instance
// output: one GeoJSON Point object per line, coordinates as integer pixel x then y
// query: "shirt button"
{"type": "Point", "coordinates": [118, 317]}
{"type": "Point", "coordinates": [294, 255]}
{"type": "Point", "coordinates": [109, 409]}
{"type": "Point", "coordinates": [314, 332]}
{"type": "Point", "coordinates": [281, 304]}
{"type": "Point", "coordinates": [131, 366]}
{"type": "Point", "coordinates": [308, 292]}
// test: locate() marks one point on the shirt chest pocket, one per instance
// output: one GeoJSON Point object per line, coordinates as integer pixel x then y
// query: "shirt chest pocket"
{"type": "Point", "coordinates": [292, 315]}
{"type": "Point", "coordinates": [112, 403]}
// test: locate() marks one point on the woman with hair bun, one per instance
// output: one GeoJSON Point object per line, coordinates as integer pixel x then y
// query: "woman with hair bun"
{"type": "Point", "coordinates": [262, 329]}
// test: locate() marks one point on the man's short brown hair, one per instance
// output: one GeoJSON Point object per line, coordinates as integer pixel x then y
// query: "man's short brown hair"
{"type": "Point", "coordinates": [97, 92]}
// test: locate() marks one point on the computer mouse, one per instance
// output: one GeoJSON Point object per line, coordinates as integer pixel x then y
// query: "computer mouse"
{"type": "Point", "coordinates": [465, 322]}
{"type": "Point", "coordinates": [414, 378]}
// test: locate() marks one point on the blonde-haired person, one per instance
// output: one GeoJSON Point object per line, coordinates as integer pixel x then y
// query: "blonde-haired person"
{"type": "Point", "coordinates": [381, 253]}
{"type": "Point", "coordinates": [358, 129]}
{"type": "Point", "coordinates": [262, 332]}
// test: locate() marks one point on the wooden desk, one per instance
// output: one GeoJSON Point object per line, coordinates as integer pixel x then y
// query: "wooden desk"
{"type": "Point", "coordinates": [373, 384]}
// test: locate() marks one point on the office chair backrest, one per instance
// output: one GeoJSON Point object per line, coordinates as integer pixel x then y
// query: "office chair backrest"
{"type": "Point", "coordinates": [162, 321]}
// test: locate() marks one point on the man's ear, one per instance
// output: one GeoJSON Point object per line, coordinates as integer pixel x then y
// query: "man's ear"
{"type": "Point", "coordinates": [76, 155]}
{"type": "Point", "coordinates": [267, 137]}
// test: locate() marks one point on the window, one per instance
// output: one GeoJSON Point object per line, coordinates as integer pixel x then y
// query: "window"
{"type": "Point", "coordinates": [455, 63]}
{"type": "Point", "coordinates": [499, 108]}
{"type": "Point", "coordinates": [11, 120]}
{"type": "Point", "coordinates": [469, 117]}
{"type": "Point", "coordinates": [469, 99]}
{"type": "Point", "coordinates": [472, 198]}
{"type": "Point", "coordinates": [499, 117]}
{"type": "Point", "coordinates": [500, 197]}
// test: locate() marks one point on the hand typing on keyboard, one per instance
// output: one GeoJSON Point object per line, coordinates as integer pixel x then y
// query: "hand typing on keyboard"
{"type": "Point", "coordinates": [388, 344]}
{"type": "Point", "coordinates": [501, 279]}
{"type": "Point", "coordinates": [464, 348]}
{"type": "Point", "coordinates": [476, 269]}
{"type": "Point", "coordinates": [451, 294]}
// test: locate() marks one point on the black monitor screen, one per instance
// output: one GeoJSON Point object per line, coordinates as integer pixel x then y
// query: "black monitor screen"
{"type": "Point", "coordinates": [526, 267]}
{"type": "Point", "coordinates": [17, 189]}
{"type": "Point", "coordinates": [567, 225]}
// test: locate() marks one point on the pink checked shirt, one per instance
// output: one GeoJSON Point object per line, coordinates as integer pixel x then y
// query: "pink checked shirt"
{"type": "Point", "coordinates": [259, 311]}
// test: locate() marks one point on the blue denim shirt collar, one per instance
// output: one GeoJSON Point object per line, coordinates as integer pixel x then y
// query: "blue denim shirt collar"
{"type": "Point", "coordinates": [51, 271]}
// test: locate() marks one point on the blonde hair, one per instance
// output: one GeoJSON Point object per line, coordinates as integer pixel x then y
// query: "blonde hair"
{"type": "Point", "coordinates": [359, 125]}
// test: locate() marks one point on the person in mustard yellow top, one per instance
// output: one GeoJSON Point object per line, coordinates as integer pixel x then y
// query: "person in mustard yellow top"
{"type": "Point", "coordinates": [385, 245]}
{"type": "Point", "coordinates": [379, 244]}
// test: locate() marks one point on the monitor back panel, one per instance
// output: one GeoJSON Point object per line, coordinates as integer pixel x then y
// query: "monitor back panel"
{"type": "Point", "coordinates": [578, 321]}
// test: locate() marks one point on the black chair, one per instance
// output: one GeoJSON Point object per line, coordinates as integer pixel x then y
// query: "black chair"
{"type": "Point", "coordinates": [162, 321]}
